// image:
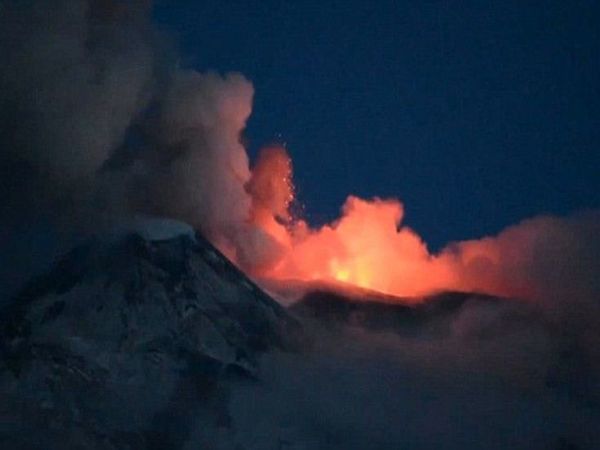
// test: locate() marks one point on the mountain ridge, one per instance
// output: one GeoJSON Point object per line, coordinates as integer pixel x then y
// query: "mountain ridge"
{"type": "Point", "coordinates": [84, 344]}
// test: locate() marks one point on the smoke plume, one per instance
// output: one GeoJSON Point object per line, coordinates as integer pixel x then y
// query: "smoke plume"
{"type": "Point", "coordinates": [99, 123]}
{"type": "Point", "coordinates": [75, 76]}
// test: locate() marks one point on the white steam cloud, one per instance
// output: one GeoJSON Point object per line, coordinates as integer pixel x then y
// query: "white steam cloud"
{"type": "Point", "coordinates": [97, 125]}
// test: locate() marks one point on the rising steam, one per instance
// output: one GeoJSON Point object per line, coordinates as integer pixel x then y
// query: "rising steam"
{"type": "Point", "coordinates": [370, 247]}
{"type": "Point", "coordinates": [99, 124]}
{"type": "Point", "coordinates": [120, 130]}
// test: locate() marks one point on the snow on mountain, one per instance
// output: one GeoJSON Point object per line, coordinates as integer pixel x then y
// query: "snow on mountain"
{"type": "Point", "coordinates": [125, 339]}
{"type": "Point", "coordinates": [151, 339]}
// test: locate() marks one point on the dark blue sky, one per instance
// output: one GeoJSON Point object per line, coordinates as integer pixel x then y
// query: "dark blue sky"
{"type": "Point", "coordinates": [476, 114]}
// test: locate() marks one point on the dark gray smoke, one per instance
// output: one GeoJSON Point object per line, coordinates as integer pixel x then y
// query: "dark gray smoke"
{"type": "Point", "coordinates": [76, 75]}
{"type": "Point", "coordinates": [98, 124]}
{"type": "Point", "coordinates": [490, 375]}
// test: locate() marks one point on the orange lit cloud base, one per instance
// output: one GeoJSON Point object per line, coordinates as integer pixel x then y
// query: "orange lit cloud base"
{"type": "Point", "coordinates": [369, 247]}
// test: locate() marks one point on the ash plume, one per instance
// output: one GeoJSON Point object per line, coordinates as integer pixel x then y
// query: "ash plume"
{"type": "Point", "coordinates": [75, 76]}
{"type": "Point", "coordinates": [100, 124]}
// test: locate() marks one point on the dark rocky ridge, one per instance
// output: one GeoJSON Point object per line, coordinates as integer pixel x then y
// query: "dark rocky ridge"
{"type": "Point", "coordinates": [123, 342]}
{"type": "Point", "coordinates": [473, 319]}
{"type": "Point", "coordinates": [405, 316]}
{"type": "Point", "coordinates": [146, 343]}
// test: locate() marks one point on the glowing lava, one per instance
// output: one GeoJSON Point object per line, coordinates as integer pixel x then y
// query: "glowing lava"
{"type": "Point", "coordinates": [365, 247]}
{"type": "Point", "coordinates": [369, 247]}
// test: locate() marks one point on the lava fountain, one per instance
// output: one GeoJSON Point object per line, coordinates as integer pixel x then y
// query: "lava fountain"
{"type": "Point", "coordinates": [368, 245]}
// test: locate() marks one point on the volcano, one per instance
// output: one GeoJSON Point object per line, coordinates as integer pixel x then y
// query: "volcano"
{"type": "Point", "coordinates": [126, 338]}
{"type": "Point", "coordinates": [152, 339]}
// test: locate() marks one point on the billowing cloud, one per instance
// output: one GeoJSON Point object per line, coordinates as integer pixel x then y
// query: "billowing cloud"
{"type": "Point", "coordinates": [99, 124]}
{"type": "Point", "coordinates": [485, 375]}
{"type": "Point", "coordinates": [75, 75]}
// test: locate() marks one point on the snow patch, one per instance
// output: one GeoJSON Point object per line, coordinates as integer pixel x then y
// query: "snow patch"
{"type": "Point", "coordinates": [156, 228]}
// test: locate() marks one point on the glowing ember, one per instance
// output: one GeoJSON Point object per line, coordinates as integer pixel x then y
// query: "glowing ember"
{"type": "Point", "coordinates": [369, 247]}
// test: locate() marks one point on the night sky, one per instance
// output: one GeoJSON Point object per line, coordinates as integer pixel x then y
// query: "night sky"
{"type": "Point", "coordinates": [156, 291]}
{"type": "Point", "coordinates": [476, 115]}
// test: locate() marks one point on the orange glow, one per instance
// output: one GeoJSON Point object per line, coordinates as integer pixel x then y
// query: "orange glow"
{"type": "Point", "coordinates": [364, 248]}
{"type": "Point", "coordinates": [369, 247]}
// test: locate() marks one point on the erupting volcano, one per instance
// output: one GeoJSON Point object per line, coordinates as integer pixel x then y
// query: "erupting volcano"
{"type": "Point", "coordinates": [164, 286]}
{"type": "Point", "coordinates": [369, 247]}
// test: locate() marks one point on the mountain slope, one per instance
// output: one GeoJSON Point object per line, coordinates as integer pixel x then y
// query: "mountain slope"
{"type": "Point", "coordinates": [432, 314]}
{"type": "Point", "coordinates": [123, 341]}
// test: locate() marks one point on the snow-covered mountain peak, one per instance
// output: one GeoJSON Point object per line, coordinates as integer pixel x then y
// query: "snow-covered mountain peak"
{"type": "Point", "coordinates": [130, 325]}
